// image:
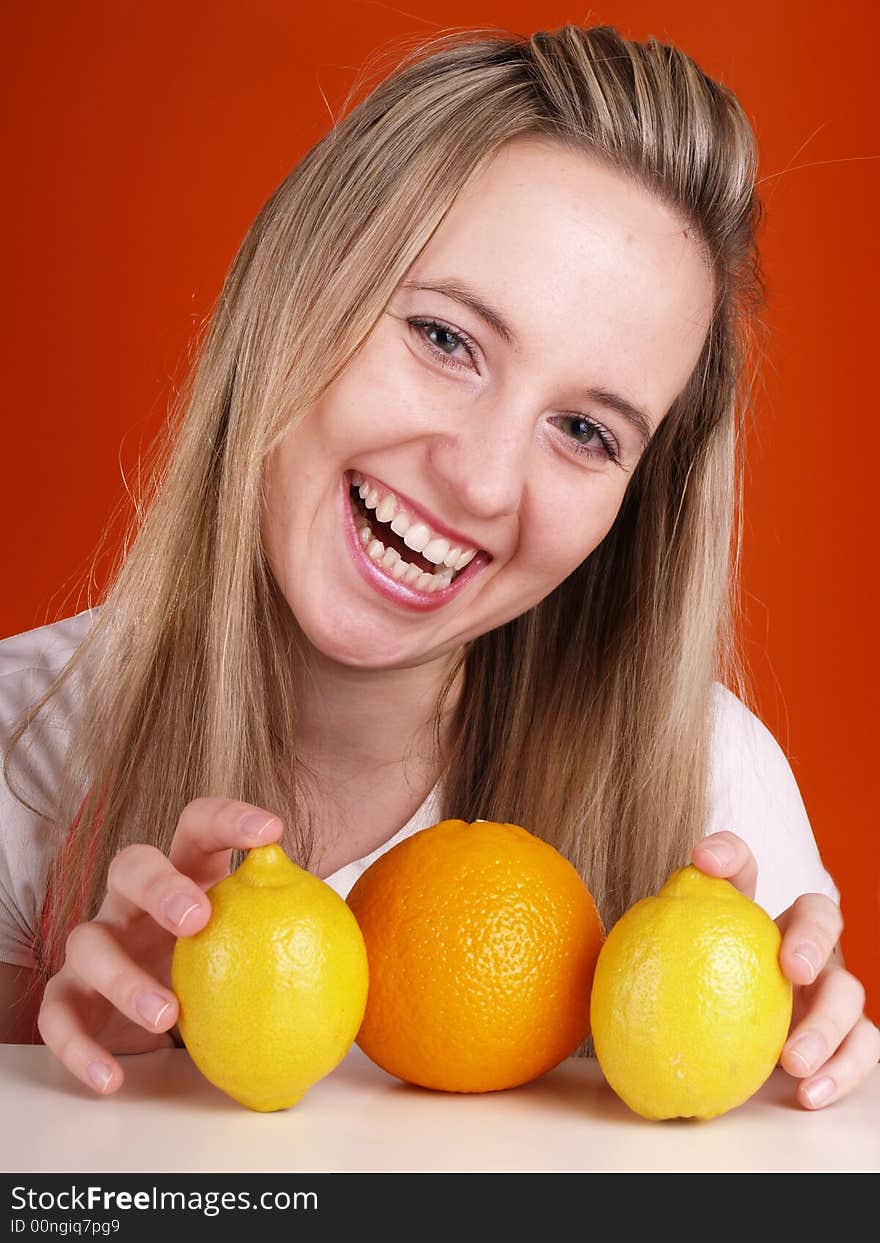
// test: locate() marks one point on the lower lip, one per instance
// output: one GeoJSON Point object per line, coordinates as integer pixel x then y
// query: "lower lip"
{"type": "Point", "coordinates": [391, 588]}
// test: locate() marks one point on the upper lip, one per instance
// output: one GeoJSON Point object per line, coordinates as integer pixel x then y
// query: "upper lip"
{"type": "Point", "coordinates": [414, 509]}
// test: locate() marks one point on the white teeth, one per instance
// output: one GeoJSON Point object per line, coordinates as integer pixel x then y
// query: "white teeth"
{"type": "Point", "coordinates": [436, 551]}
{"type": "Point", "coordinates": [417, 536]}
{"type": "Point", "coordinates": [400, 525]}
{"type": "Point", "coordinates": [392, 561]}
{"type": "Point", "coordinates": [386, 511]}
{"type": "Point", "coordinates": [452, 556]}
{"type": "Point", "coordinates": [435, 548]}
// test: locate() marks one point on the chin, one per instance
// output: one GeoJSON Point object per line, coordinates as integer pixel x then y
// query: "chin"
{"type": "Point", "coordinates": [343, 637]}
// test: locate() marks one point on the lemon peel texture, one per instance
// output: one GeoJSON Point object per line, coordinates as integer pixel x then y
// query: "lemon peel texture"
{"type": "Point", "coordinates": [690, 1008]}
{"type": "Point", "coordinates": [273, 989]}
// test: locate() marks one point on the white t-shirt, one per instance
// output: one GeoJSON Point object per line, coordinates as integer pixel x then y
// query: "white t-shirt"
{"type": "Point", "coordinates": [753, 792]}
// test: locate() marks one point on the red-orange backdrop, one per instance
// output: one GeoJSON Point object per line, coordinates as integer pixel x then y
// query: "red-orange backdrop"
{"type": "Point", "coordinates": [142, 140]}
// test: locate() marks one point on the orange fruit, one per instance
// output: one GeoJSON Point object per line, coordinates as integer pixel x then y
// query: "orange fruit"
{"type": "Point", "coordinates": [481, 943]}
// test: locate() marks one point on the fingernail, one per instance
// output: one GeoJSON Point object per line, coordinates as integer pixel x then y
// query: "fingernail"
{"type": "Point", "coordinates": [807, 1049]}
{"type": "Point", "coordinates": [254, 823]}
{"type": "Point", "coordinates": [811, 956]}
{"type": "Point", "coordinates": [817, 1093]}
{"type": "Point", "coordinates": [99, 1074]}
{"type": "Point", "coordinates": [719, 851]}
{"type": "Point", "coordinates": [178, 907]}
{"type": "Point", "coordinates": [151, 1007]}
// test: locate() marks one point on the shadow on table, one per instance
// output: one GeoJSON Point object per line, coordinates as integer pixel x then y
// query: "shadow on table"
{"type": "Point", "coordinates": [153, 1079]}
{"type": "Point", "coordinates": [587, 1097]}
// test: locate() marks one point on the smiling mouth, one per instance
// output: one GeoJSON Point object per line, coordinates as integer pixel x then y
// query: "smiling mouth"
{"type": "Point", "coordinates": [382, 531]}
{"type": "Point", "coordinates": [401, 544]}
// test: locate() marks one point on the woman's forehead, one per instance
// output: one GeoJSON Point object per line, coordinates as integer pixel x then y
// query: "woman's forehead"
{"type": "Point", "coordinates": [580, 262]}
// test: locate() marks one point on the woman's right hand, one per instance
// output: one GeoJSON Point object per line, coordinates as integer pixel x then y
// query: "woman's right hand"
{"type": "Point", "coordinates": [113, 993]}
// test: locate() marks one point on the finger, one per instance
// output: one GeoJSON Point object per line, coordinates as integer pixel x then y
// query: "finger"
{"type": "Point", "coordinates": [100, 962]}
{"type": "Point", "coordinates": [810, 928]}
{"type": "Point", "coordinates": [142, 879]}
{"type": "Point", "coordinates": [727, 856]}
{"type": "Point", "coordinates": [61, 1024]}
{"type": "Point", "coordinates": [209, 827]}
{"type": "Point", "coordinates": [856, 1058]}
{"type": "Point", "coordinates": [836, 1005]}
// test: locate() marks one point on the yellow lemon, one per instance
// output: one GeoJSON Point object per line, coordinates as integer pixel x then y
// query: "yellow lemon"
{"type": "Point", "coordinates": [690, 1009]}
{"type": "Point", "coordinates": [273, 989]}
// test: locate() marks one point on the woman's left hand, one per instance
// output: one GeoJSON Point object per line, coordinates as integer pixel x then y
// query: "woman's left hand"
{"type": "Point", "coordinates": [832, 1046]}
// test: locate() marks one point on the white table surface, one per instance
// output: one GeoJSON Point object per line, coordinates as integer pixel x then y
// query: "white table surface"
{"type": "Point", "coordinates": [167, 1118]}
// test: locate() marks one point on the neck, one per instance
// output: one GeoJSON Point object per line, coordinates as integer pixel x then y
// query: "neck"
{"type": "Point", "coordinates": [357, 722]}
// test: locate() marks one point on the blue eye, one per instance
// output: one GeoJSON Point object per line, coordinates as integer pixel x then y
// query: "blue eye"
{"type": "Point", "coordinates": [459, 338]}
{"type": "Point", "coordinates": [590, 428]}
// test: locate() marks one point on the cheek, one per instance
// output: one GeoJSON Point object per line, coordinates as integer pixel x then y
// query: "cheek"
{"type": "Point", "coordinates": [387, 397]}
{"type": "Point", "coordinates": [272, 533]}
{"type": "Point", "coordinates": [563, 534]}
{"type": "Point", "coordinates": [281, 509]}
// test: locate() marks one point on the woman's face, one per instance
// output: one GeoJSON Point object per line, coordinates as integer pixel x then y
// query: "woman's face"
{"type": "Point", "coordinates": [508, 439]}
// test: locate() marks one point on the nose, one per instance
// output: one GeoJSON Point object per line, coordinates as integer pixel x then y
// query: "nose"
{"type": "Point", "coordinates": [482, 459]}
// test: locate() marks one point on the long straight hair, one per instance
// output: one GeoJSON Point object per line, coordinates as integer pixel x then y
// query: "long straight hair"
{"type": "Point", "coordinates": [587, 719]}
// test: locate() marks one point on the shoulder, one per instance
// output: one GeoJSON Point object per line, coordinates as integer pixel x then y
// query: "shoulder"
{"type": "Point", "coordinates": [44, 649]}
{"type": "Point", "coordinates": [746, 757]}
{"type": "Point", "coordinates": [29, 663]}
{"type": "Point", "coordinates": [741, 739]}
{"type": "Point", "coordinates": [753, 792]}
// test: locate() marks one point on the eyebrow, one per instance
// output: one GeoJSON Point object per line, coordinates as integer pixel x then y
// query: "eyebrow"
{"type": "Point", "coordinates": [460, 292]}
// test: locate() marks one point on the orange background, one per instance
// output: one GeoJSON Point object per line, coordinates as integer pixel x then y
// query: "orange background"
{"type": "Point", "coordinates": [143, 139]}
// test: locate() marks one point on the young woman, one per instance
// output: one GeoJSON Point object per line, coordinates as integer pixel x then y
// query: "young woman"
{"type": "Point", "coordinates": [446, 528]}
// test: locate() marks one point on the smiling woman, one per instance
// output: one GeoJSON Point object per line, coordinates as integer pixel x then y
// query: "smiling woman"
{"type": "Point", "coordinates": [595, 287]}
{"type": "Point", "coordinates": [444, 528]}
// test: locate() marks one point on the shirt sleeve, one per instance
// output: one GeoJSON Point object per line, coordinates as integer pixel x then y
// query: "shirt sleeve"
{"type": "Point", "coordinates": [753, 793]}
{"type": "Point", "coordinates": [29, 663]}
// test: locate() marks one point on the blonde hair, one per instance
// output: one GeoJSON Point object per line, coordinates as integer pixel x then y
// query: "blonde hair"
{"type": "Point", "coordinates": [588, 718]}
